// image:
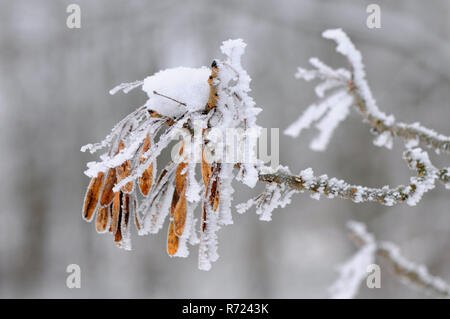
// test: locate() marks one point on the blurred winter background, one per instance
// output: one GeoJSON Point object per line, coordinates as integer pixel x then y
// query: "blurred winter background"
{"type": "Point", "coordinates": [54, 84]}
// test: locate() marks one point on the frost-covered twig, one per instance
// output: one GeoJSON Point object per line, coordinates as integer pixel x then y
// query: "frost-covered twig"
{"type": "Point", "coordinates": [417, 159]}
{"type": "Point", "coordinates": [354, 271]}
{"type": "Point", "coordinates": [352, 88]}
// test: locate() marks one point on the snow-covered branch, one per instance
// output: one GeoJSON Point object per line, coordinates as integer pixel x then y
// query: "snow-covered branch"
{"type": "Point", "coordinates": [322, 185]}
{"type": "Point", "coordinates": [351, 88]}
{"type": "Point", "coordinates": [353, 272]}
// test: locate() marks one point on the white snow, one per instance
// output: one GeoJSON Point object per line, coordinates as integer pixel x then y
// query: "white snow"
{"type": "Point", "coordinates": [193, 188]}
{"type": "Point", "coordinates": [226, 196]}
{"type": "Point", "coordinates": [184, 85]}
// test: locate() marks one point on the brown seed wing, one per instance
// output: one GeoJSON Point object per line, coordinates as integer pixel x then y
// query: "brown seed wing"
{"type": "Point", "coordinates": [123, 171]}
{"type": "Point", "coordinates": [136, 221]}
{"type": "Point", "coordinates": [102, 219]}
{"type": "Point", "coordinates": [206, 170]}
{"type": "Point", "coordinates": [145, 147]}
{"type": "Point", "coordinates": [175, 198]}
{"type": "Point", "coordinates": [116, 211]}
{"type": "Point", "coordinates": [178, 209]}
{"type": "Point", "coordinates": [214, 197]}
{"type": "Point", "coordinates": [180, 213]}
{"type": "Point", "coordinates": [146, 180]}
{"type": "Point", "coordinates": [108, 194]}
{"type": "Point", "coordinates": [180, 177]}
{"type": "Point", "coordinates": [92, 196]}
{"type": "Point", "coordinates": [110, 216]}
{"type": "Point", "coordinates": [125, 211]}
{"type": "Point", "coordinates": [118, 235]}
{"type": "Point", "coordinates": [180, 174]}
{"type": "Point", "coordinates": [204, 216]}
{"type": "Point", "coordinates": [206, 174]}
{"type": "Point", "coordinates": [172, 240]}
{"type": "Point", "coordinates": [216, 201]}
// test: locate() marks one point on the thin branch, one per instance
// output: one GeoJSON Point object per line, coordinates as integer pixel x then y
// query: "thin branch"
{"type": "Point", "coordinates": [413, 273]}
{"type": "Point", "coordinates": [168, 97]}
{"type": "Point", "coordinates": [332, 187]}
{"type": "Point", "coordinates": [363, 99]}
{"type": "Point", "coordinates": [414, 131]}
